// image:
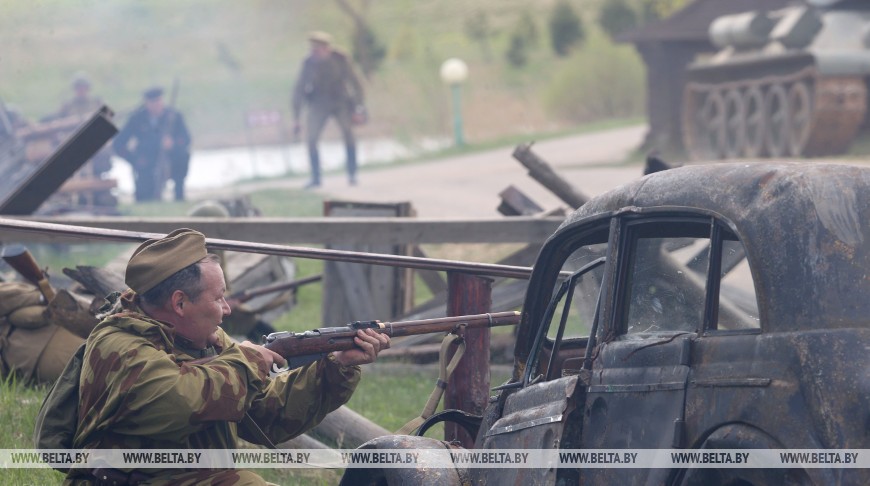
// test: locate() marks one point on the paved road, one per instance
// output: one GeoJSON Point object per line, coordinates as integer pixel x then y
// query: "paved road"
{"type": "Point", "coordinates": [468, 185]}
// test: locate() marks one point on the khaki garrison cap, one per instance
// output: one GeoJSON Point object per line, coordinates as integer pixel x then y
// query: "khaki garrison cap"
{"type": "Point", "coordinates": [320, 36]}
{"type": "Point", "coordinates": [156, 260]}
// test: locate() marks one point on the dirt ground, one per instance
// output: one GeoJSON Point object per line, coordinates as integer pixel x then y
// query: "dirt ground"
{"type": "Point", "coordinates": [468, 185]}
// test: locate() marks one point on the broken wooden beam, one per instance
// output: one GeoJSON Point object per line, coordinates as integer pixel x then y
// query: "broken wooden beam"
{"type": "Point", "coordinates": [541, 171]}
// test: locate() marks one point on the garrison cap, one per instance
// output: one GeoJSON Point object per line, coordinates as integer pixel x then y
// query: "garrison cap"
{"type": "Point", "coordinates": [320, 36]}
{"type": "Point", "coordinates": [153, 93]}
{"type": "Point", "coordinates": [80, 80]}
{"type": "Point", "coordinates": [158, 259]}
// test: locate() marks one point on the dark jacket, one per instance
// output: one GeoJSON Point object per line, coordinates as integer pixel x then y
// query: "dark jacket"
{"type": "Point", "coordinates": [147, 134]}
{"type": "Point", "coordinates": [328, 84]}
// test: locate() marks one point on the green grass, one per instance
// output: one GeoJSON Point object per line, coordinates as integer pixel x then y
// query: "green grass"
{"type": "Point", "coordinates": [18, 407]}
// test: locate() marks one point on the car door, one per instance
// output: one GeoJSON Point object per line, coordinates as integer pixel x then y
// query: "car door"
{"type": "Point", "coordinates": [637, 389]}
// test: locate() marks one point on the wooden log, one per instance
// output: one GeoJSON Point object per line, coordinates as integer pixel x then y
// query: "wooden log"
{"type": "Point", "coordinates": [541, 171]}
{"type": "Point", "coordinates": [468, 387]}
{"type": "Point", "coordinates": [71, 312]}
{"type": "Point", "coordinates": [515, 203]}
{"type": "Point", "coordinates": [347, 429]}
{"type": "Point", "coordinates": [98, 281]}
{"type": "Point", "coordinates": [303, 441]}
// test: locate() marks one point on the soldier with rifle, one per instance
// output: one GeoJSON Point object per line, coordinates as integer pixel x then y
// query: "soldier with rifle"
{"type": "Point", "coordinates": [156, 143]}
{"type": "Point", "coordinates": [159, 373]}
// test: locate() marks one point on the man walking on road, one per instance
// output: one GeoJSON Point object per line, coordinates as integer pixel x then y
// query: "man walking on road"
{"type": "Point", "coordinates": [330, 88]}
{"type": "Point", "coordinates": [161, 147]}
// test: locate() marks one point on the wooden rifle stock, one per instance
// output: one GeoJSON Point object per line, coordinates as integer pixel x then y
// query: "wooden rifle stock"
{"type": "Point", "coordinates": [20, 258]}
{"type": "Point", "coordinates": [301, 348]}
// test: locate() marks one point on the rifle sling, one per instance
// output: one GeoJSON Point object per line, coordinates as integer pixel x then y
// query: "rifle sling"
{"type": "Point", "coordinates": [255, 430]}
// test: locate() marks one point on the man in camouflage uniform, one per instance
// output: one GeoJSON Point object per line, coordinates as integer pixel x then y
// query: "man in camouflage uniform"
{"type": "Point", "coordinates": [161, 374]}
{"type": "Point", "coordinates": [330, 88]}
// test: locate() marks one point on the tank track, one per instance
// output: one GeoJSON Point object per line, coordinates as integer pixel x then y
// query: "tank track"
{"type": "Point", "coordinates": [785, 115]}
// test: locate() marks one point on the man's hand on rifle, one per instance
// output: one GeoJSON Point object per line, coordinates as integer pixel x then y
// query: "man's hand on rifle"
{"type": "Point", "coordinates": [167, 142]}
{"type": "Point", "coordinates": [369, 344]}
{"type": "Point", "coordinates": [268, 355]}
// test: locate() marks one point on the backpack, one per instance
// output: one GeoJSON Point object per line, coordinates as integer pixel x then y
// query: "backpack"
{"type": "Point", "coordinates": [58, 416]}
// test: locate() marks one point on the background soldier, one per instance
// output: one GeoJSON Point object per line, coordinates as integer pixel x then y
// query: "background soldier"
{"type": "Point", "coordinates": [330, 88]}
{"type": "Point", "coordinates": [161, 147]}
{"type": "Point", "coordinates": [82, 103]}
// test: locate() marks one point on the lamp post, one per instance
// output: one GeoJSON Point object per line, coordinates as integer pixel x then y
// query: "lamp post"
{"type": "Point", "coordinates": [453, 73]}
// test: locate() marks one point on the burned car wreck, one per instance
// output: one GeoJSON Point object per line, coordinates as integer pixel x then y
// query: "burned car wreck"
{"type": "Point", "coordinates": [719, 306]}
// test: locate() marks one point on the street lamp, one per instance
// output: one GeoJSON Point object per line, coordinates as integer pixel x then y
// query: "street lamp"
{"type": "Point", "coordinates": [453, 73]}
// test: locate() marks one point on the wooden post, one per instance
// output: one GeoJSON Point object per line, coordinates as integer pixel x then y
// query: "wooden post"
{"type": "Point", "coordinates": [468, 387]}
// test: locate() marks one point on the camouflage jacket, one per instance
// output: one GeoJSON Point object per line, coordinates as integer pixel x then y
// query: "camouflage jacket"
{"type": "Point", "coordinates": [141, 388]}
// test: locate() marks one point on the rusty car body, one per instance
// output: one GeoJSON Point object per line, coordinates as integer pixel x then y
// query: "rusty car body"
{"type": "Point", "coordinates": [721, 306]}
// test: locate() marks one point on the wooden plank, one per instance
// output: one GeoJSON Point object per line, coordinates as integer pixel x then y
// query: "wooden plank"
{"type": "Point", "coordinates": [360, 292]}
{"type": "Point", "coordinates": [515, 203]}
{"type": "Point", "coordinates": [322, 231]}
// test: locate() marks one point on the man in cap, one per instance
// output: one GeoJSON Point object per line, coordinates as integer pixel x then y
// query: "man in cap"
{"type": "Point", "coordinates": [161, 147]}
{"type": "Point", "coordinates": [82, 103]}
{"type": "Point", "coordinates": [159, 373]}
{"type": "Point", "coordinates": [329, 87]}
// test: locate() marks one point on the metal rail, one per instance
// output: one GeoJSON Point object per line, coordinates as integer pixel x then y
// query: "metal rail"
{"type": "Point", "coordinates": [122, 236]}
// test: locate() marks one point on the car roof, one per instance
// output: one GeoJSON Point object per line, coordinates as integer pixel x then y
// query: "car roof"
{"type": "Point", "coordinates": [804, 227]}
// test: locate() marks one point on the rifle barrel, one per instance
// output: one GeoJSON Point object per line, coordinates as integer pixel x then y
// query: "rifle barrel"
{"type": "Point", "coordinates": [324, 340]}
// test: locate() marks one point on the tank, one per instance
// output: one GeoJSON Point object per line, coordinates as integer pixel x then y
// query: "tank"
{"type": "Point", "coordinates": [786, 83]}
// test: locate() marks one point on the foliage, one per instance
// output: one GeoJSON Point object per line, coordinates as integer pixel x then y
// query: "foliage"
{"type": "Point", "coordinates": [617, 17]}
{"type": "Point", "coordinates": [659, 9]}
{"type": "Point", "coordinates": [528, 28]}
{"type": "Point", "coordinates": [566, 28]}
{"type": "Point", "coordinates": [603, 80]}
{"type": "Point", "coordinates": [517, 54]}
{"type": "Point", "coordinates": [368, 51]}
{"type": "Point", "coordinates": [478, 29]}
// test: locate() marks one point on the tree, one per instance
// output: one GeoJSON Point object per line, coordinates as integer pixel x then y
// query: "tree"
{"type": "Point", "coordinates": [517, 54]}
{"type": "Point", "coordinates": [617, 17]}
{"type": "Point", "coordinates": [477, 29]}
{"type": "Point", "coordinates": [566, 28]}
{"type": "Point", "coordinates": [367, 50]}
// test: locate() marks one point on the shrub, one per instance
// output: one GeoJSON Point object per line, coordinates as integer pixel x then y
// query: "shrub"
{"type": "Point", "coordinates": [600, 81]}
{"type": "Point", "coordinates": [517, 53]}
{"type": "Point", "coordinates": [368, 51]}
{"type": "Point", "coordinates": [566, 28]}
{"type": "Point", "coordinates": [617, 17]}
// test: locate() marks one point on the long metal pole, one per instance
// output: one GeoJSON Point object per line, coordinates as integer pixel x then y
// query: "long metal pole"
{"type": "Point", "coordinates": [488, 269]}
{"type": "Point", "coordinates": [456, 92]}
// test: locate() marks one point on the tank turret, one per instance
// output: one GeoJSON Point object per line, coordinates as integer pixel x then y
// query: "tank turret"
{"type": "Point", "coordinates": [791, 82]}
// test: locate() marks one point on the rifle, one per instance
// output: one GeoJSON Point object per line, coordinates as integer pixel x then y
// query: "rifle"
{"type": "Point", "coordinates": [19, 258]}
{"type": "Point", "coordinates": [302, 348]}
{"type": "Point", "coordinates": [243, 296]}
{"type": "Point", "coordinates": [163, 164]}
